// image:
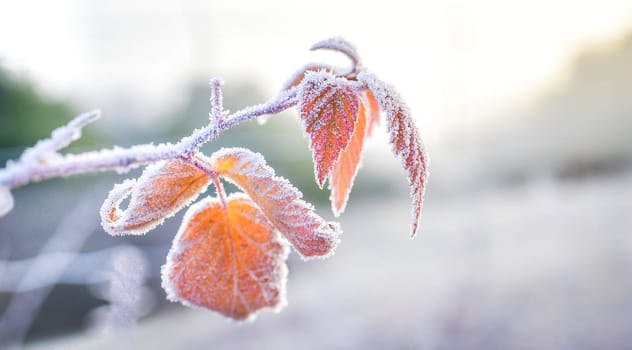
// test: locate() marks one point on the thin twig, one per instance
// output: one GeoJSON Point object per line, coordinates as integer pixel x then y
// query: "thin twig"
{"type": "Point", "coordinates": [38, 164]}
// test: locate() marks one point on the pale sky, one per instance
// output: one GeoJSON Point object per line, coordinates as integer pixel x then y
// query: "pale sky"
{"type": "Point", "coordinates": [455, 62]}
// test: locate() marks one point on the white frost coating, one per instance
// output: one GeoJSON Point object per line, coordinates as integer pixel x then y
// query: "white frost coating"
{"type": "Point", "coordinates": [280, 201]}
{"type": "Point", "coordinates": [179, 245]}
{"type": "Point", "coordinates": [282, 101]}
{"type": "Point", "coordinates": [296, 78]}
{"type": "Point", "coordinates": [217, 104]}
{"type": "Point", "coordinates": [60, 137]}
{"type": "Point", "coordinates": [405, 141]}
{"type": "Point", "coordinates": [150, 204]}
{"type": "Point", "coordinates": [321, 113]}
{"type": "Point", "coordinates": [340, 45]}
{"type": "Point", "coordinates": [6, 201]}
{"type": "Point", "coordinates": [112, 202]}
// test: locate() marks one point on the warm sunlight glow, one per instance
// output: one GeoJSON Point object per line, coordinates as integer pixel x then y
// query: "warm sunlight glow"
{"type": "Point", "coordinates": [471, 61]}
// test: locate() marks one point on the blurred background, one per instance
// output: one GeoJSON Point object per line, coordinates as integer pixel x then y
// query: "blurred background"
{"type": "Point", "coordinates": [525, 107]}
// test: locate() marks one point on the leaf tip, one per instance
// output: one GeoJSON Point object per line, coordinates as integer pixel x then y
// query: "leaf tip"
{"type": "Point", "coordinates": [327, 240]}
{"type": "Point", "coordinates": [159, 193]}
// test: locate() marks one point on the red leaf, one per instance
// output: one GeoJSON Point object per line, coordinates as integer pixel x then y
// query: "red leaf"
{"type": "Point", "coordinates": [230, 260]}
{"type": "Point", "coordinates": [329, 109]}
{"type": "Point", "coordinates": [405, 141]}
{"type": "Point", "coordinates": [280, 201]}
{"type": "Point", "coordinates": [161, 191]}
{"type": "Point", "coordinates": [347, 166]}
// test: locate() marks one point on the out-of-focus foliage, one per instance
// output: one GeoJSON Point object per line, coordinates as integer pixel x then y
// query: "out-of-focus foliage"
{"type": "Point", "coordinates": [26, 115]}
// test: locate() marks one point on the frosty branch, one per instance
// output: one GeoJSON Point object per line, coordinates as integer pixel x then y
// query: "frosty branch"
{"type": "Point", "coordinates": [42, 161]}
{"type": "Point", "coordinates": [229, 253]}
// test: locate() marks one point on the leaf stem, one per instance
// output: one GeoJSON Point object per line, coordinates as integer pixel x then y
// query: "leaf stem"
{"type": "Point", "coordinates": [221, 193]}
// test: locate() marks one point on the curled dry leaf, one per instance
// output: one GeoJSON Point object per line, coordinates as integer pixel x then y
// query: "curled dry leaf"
{"type": "Point", "coordinates": [227, 259]}
{"type": "Point", "coordinates": [347, 166]}
{"type": "Point", "coordinates": [281, 202]}
{"type": "Point", "coordinates": [405, 141]}
{"type": "Point", "coordinates": [329, 109]}
{"type": "Point", "coordinates": [162, 190]}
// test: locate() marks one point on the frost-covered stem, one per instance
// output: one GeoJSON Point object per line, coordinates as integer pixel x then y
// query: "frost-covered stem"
{"type": "Point", "coordinates": [284, 100]}
{"type": "Point", "coordinates": [202, 163]}
{"type": "Point", "coordinates": [39, 164]}
{"type": "Point", "coordinates": [344, 47]}
{"type": "Point", "coordinates": [216, 102]}
{"type": "Point", "coordinates": [60, 137]}
{"type": "Point", "coordinates": [22, 173]}
{"type": "Point", "coordinates": [281, 102]}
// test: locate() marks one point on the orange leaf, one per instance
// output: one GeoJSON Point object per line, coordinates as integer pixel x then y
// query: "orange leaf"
{"type": "Point", "coordinates": [230, 260]}
{"type": "Point", "coordinates": [347, 166]}
{"type": "Point", "coordinates": [161, 191]}
{"type": "Point", "coordinates": [405, 141]}
{"type": "Point", "coordinates": [373, 107]}
{"type": "Point", "coordinates": [280, 201]}
{"type": "Point", "coordinates": [329, 109]}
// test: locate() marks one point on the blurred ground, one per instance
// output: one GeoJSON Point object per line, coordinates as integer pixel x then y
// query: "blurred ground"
{"type": "Point", "coordinates": [539, 266]}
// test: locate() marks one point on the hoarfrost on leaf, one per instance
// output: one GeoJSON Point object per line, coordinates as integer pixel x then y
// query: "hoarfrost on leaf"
{"type": "Point", "coordinates": [161, 191]}
{"type": "Point", "coordinates": [328, 108]}
{"type": "Point", "coordinates": [405, 141]}
{"type": "Point", "coordinates": [281, 202]}
{"type": "Point", "coordinates": [347, 166]}
{"type": "Point", "coordinates": [230, 260]}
